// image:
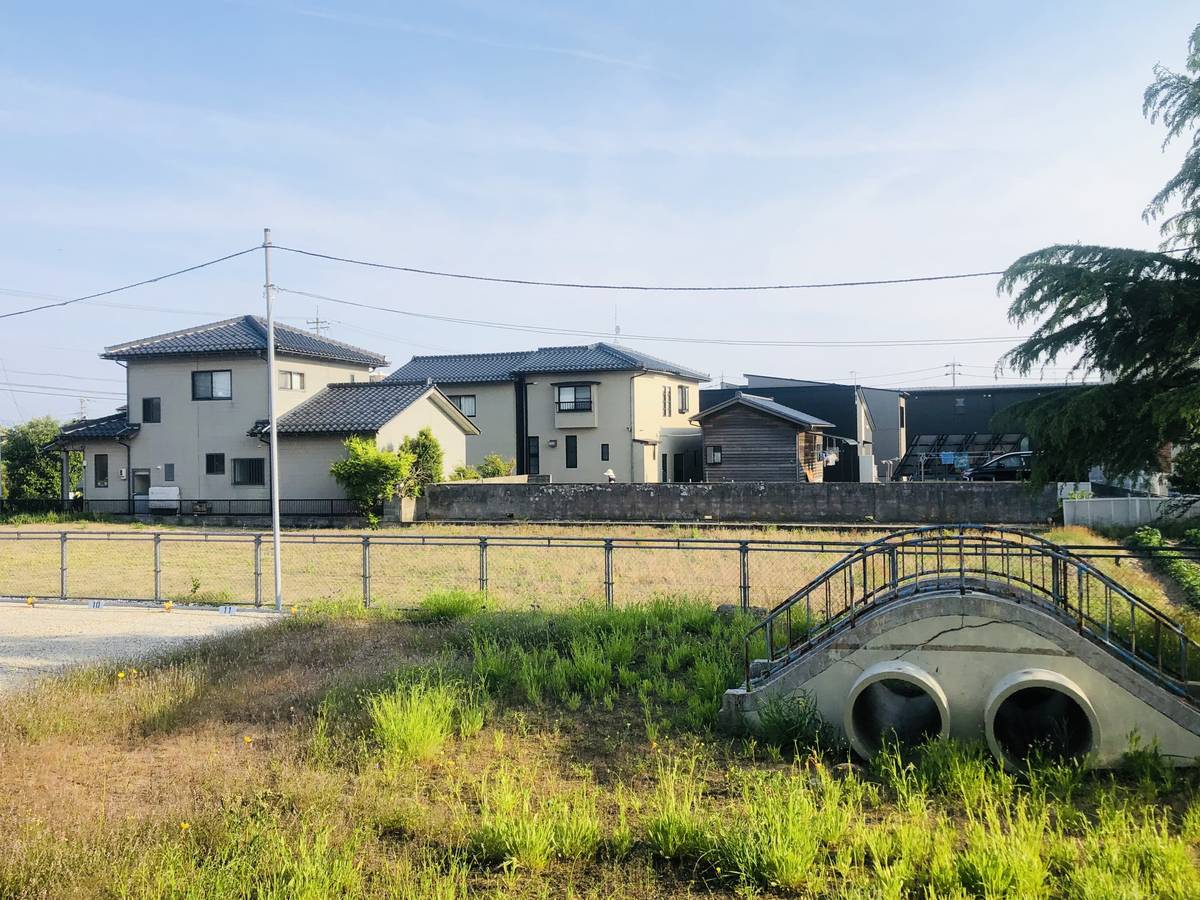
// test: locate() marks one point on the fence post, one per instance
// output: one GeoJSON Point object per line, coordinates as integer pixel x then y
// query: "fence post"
{"type": "Point", "coordinates": [157, 568]}
{"type": "Point", "coordinates": [744, 574]}
{"type": "Point", "coordinates": [608, 573]}
{"type": "Point", "coordinates": [62, 566]}
{"type": "Point", "coordinates": [366, 570]}
{"type": "Point", "coordinates": [483, 566]}
{"type": "Point", "coordinates": [893, 569]}
{"type": "Point", "coordinates": [258, 570]}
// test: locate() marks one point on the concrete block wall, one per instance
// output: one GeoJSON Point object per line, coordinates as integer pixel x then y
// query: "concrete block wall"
{"type": "Point", "coordinates": [835, 502]}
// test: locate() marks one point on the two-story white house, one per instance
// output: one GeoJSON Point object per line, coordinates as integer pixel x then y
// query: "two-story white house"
{"type": "Point", "coordinates": [574, 412]}
{"type": "Point", "coordinates": [197, 409]}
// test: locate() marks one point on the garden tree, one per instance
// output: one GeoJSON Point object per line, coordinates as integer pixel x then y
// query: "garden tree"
{"type": "Point", "coordinates": [427, 461]}
{"type": "Point", "coordinates": [370, 476]}
{"type": "Point", "coordinates": [496, 466]}
{"type": "Point", "coordinates": [30, 471]}
{"type": "Point", "coordinates": [1132, 316]}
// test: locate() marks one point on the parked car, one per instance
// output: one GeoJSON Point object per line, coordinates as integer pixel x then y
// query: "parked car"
{"type": "Point", "coordinates": [1017, 466]}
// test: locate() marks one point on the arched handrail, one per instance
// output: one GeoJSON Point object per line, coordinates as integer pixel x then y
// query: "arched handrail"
{"type": "Point", "coordinates": [1004, 562]}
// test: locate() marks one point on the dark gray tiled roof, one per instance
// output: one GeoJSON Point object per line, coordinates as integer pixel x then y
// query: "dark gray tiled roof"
{"type": "Point", "coordinates": [243, 334]}
{"type": "Point", "coordinates": [484, 367]}
{"type": "Point", "coordinates": [601, 357]}
{"type": "Point", "coordinates": [463, 368]}
{"type": "Point", "coordinates": [770, 407]}
{"type": "Point", "coordinates": [104, 428]}
{"type": "Point", "coordinates": [361, 407]}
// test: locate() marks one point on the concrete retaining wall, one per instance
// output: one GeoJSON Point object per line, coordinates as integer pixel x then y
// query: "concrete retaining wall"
{"type": "Point", "coordinates": [1127, 512]}
{"type": "Point", "coordinates": [928, 502]}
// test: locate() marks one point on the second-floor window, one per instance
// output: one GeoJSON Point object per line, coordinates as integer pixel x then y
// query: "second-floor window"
{"type": "Point", "coordinates": [212, 385]}
{"type": "Point", "coordinates": [666, 400]}
{"type": "Point", "coordinates": [151, 409]}
{"type": "Point", "coordinates": [465, 404]}
{"type": "Point", "coordinates": [684, 405]}
{"type": "Point", "coordinates": [291, 381]}
{"type": "Point", "coordinates": [713, 453]}
{"type": "Point", "coordinates": [573, 398]}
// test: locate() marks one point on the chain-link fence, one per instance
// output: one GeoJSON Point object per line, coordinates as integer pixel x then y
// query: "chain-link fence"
{"type": "Point", "coordinates": [516, 572]}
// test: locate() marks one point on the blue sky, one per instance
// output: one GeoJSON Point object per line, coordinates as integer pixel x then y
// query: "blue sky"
{"type": "Point", "coordinates": [666, 142]}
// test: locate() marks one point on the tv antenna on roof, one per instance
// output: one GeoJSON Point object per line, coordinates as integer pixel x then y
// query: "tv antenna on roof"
{"type": "Point", "coordinates": [318, 323]}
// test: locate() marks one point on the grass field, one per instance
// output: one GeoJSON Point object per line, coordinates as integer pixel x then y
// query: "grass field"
{"type": "Point", "coordinates": [455, 751]}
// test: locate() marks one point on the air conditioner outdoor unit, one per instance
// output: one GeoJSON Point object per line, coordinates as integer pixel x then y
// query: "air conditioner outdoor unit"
{"type": "Point", "coordinates": [164, 499]}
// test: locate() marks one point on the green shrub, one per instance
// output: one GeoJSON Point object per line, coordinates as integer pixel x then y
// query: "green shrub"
{"type": "Point", "coordinates": [368, 475]}
{"type": "Point", "coordinates": [426, 455]}
{"type": "Point", "coordinates": [496, 466]}
{"type": "Point", "coordinates": [465, 473]}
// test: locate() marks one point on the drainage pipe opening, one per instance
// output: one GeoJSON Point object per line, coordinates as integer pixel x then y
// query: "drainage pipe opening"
{"type": "Point", "coordinates": [1038, 713]}
{"type": "Point", "coordinates": [895, 702]}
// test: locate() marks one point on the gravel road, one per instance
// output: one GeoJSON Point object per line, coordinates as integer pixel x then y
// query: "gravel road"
{"type": "Point", "coordinates": [42, 639]}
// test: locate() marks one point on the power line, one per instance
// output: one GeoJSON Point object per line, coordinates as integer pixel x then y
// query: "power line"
{"type": "Point", "coordinates": [579, 332]}
{"type": "Point", "coordinates": [126, 287]}
{"type": "Point", "coordinates": [59, 375]}
{"type": "Point", "coordinates": [533, 282]}
{"type": "Point", "coordinates": [72, 395]}
{"type": "Point", "coordinates": [57, 387]}
{"type": "Point", "coordinates": [592, 286]}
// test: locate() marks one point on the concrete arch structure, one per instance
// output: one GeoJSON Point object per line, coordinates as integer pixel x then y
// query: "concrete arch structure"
{"type": "Point", "coordinates": [968, 657]}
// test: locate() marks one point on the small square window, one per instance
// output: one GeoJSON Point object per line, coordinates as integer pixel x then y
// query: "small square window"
{"type": "Point", "coordinates": [465, 404]}
{"type": "Point", "coordinates": [214, 464]}
{"type": "Point", "coordinates": [168, 471]}
{"type": "Point", "coordinates": [713, 454]}
{"type": "Point", "coordinates": [151, 409]}
{"type": "Point", "coordinates": [604, 452]}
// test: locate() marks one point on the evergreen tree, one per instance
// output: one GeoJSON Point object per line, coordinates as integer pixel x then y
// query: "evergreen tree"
{"type": "Point", "coordinates": [1132, 316]}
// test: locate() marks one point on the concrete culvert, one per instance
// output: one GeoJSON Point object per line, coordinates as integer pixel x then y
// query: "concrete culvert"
{"type": "Point", "coordinates": [1036, 712]}
{"type": "Point", "coordinates": [894, 701]}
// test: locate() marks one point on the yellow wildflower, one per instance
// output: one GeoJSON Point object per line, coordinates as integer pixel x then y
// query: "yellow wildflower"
{"type": "Point", "coordinates": [184, 826]}
{"type": "Point", "coordinates": [247, 740]}
{"type": "Point", "coordinates": [120, 675]}
{"type": "Point", "coordinates": [29, 601]}
{"type": "Point", "coordinates": [168, 606]}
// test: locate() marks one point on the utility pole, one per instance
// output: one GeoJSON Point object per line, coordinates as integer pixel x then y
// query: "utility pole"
{"type": "Point", "coordinates": [953, 366]}
{"type": "Point", "coordinates": [274, 432]}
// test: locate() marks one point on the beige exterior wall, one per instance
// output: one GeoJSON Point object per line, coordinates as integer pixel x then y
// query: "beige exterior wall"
{"type": "Point", "coordinates": [305, 459]}
{"type": "Point", "coordinates": [495, 417]}
{"type": "Point", "coordinates": [673, 430]}
{"type": "Point", "coordinates": [628, 415]}
{"type": "Point", "coordinates": [190, 429]}
{"type": "Point", "coordinates": [118, 488]}
{"type": "Point", "coordinates": [610, 404]}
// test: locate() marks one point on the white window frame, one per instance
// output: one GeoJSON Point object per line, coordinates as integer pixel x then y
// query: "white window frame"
{"type": "Point", "coordinates": [291, 380]}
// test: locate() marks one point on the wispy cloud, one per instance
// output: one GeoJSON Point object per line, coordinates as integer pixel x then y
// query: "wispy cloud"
{"type": "Point", "coordinates": [447, 34]}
